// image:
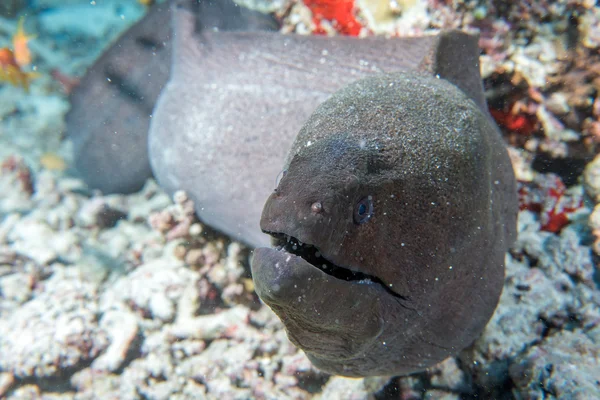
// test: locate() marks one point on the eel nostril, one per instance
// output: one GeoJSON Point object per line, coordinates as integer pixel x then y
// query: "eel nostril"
{"type": "Point", "coordinates": [316, 207]}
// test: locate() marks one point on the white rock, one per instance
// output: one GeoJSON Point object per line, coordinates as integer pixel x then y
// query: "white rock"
{"type": "Point", "coordinates": [122, 329]}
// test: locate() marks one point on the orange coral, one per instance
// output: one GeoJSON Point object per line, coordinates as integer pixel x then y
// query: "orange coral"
{"type": "Point", "coordinates": [20, 45]}
{"type": "Point", "coordinates": [13, 61]}
{"type": "Point", "coordinates": [11, 72]}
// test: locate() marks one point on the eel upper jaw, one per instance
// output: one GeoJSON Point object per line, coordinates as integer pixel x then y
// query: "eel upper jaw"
{"type": "Point", "coordinates": [313, 256]}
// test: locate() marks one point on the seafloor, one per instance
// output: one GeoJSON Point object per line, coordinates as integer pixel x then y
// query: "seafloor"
{"type": "Point", "coordinates": [127, 297]}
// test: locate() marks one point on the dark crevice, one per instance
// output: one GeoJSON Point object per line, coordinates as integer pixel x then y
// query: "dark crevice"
{"type": "Point", "coordinates": [546, 329]}
{"type": "Point", "coordinates": [390, 391]}
{"type": "Point", "coordinates": [569, 169]}
{"type": "Point", "coordinates": [149, 43]}
{"type": "Point", "coordinates": [141, 394]}
{"type": "Point", "coordinates": [399, 388]}
{"type": "Point", "coordinates": [58, 383]}
{"type": "Point", "coordinates": [596, 274]}
{"type": "Point", "coordinates": [312, 381]}
{"type": "Point", "coordinates": [133, 352]}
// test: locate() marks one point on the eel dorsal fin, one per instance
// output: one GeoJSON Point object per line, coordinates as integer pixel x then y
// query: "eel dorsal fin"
{"type": "Point", "coordinates": [455, 58]}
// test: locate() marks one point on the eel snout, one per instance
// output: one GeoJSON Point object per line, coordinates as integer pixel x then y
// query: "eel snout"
{"type": "Point", "coordinates": [326, 316]}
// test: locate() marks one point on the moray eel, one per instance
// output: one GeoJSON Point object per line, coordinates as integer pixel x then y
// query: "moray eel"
{"type": "Point", "coordinates": [397, 200]}
{"type": "Point", "coordinates": [391, 222]}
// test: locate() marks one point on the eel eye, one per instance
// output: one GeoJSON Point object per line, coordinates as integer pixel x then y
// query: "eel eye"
{"type": "Point", "coordinates": [363, 211]}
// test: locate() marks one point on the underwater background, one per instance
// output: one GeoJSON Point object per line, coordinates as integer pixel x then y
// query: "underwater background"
{"type": "Point", "coordinates": [132, 297]}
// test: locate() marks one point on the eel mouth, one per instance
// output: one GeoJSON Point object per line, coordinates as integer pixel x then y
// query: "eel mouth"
{"type": "Point", "coordinates": [312, 255]}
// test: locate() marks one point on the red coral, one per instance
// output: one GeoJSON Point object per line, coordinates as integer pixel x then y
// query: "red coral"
{"type": "Point", "coordinates": [548, 196]}
{"type": "Point", "coordinates": [515, 119]}
{"type": "Point", "coordinates": [339, 12]}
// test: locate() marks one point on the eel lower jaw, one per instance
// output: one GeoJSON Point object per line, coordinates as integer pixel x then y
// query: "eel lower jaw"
{"type": "Point", "coordinates": [328, 318]}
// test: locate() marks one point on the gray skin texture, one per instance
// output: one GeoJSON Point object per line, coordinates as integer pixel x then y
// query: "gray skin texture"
{"type": "Point", "coordinates": [235, 101]}
{"type": "Point", "coordinates": [432, 252]}
{"type": "Point", "coordinates": [111, 107]}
